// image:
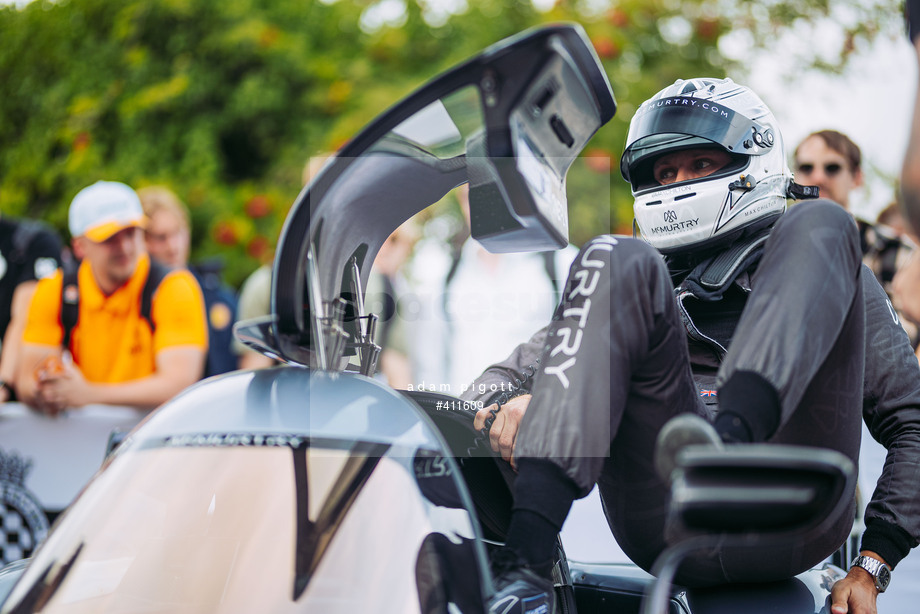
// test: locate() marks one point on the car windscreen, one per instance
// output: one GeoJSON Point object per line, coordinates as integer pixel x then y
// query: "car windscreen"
{"type": "Point", "coordinates": [231, 526]}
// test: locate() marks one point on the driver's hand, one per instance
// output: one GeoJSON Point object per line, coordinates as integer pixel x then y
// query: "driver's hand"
{"type": "Point", "coordinates": [854, 594]}
{"type": "Point", "coordinates": [504, 430]}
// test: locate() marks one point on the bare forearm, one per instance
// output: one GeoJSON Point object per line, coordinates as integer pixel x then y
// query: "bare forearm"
{"type": "Point", "coordinates": [145, 393]}
{"type": "Point", "coordinates": [177, 369]}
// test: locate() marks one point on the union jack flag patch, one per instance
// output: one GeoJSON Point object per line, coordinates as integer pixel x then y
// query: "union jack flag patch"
{"type": "Point", "coordinates": [707, 393]}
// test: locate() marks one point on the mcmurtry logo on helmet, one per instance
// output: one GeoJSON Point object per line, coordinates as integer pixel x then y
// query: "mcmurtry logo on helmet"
{"type": "Point", "coordinates": [650, 105]}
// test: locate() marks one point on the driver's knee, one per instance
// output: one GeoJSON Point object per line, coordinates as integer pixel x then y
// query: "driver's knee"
{"type": "Point", "coordinates": [811, 223]}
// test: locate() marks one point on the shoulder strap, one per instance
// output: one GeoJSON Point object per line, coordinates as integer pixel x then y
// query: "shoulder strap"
{"type": "Point", "coordinates": [154, 277]}
{"type": "Point", "coordinates": [709, 280]}
{"type": "Point", "coordinates": [70, 305]}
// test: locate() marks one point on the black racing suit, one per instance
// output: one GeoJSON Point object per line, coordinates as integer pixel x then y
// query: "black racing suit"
{"type": "Point", "coordinates": [622, 356]}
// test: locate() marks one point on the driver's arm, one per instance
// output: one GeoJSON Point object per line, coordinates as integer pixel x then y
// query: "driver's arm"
{"type": "Point", "coordinates": [891, 410]}
{"type": "Point", "coordinates": [501, 377]}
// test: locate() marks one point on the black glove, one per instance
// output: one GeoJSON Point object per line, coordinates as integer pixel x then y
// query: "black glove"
{"type": "Point", "coordinates": [912, 17]}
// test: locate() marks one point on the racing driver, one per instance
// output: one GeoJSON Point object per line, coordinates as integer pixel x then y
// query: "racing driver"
{"type": "Point", "coordinates": [731, 320]}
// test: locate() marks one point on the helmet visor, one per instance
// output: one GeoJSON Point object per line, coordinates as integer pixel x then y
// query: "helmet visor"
{"type": "Point", "coordinates": [700, 121]}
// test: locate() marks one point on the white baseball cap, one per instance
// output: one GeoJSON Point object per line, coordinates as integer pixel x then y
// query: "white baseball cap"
{"type": "Point", "coordinates": [104, 208]}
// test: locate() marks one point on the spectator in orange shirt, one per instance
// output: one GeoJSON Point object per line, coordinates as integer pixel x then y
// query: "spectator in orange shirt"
{"type": "Point", "coordinates": [127, 342]}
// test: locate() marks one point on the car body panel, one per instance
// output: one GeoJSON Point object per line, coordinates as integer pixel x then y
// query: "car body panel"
{"type": "Point", "coordinates": [316, 492]}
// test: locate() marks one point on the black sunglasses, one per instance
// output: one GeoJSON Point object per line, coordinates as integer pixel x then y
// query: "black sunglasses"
{"type": "Point", "coordinates": [830, 170]}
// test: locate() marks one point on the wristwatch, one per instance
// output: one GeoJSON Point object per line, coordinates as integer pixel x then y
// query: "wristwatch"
{"type": "Point", "coordinates": [879, 570]}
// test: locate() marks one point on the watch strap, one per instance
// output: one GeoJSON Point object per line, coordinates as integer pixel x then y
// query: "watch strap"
{"type": "Point", "coordinates": [876, 568]}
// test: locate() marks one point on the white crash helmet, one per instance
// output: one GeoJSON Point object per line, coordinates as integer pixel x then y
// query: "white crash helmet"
{"type": "Point", "coordinates": [749, 193]}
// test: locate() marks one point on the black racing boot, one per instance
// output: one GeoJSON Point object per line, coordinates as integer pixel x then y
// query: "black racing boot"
{"type": "Point", "coordinates": [518, 588]}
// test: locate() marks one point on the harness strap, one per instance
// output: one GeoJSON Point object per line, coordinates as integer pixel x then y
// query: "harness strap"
{"type": "Point", "coordinates": [709, 280]}
{"type": "Point", "coordinates": [70, 306]}
{"type": "Point", "coordinates": [154, 277]}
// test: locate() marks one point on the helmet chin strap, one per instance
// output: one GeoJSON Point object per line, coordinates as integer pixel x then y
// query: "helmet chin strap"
{"type": "Point", "coordinates": [801, 192]}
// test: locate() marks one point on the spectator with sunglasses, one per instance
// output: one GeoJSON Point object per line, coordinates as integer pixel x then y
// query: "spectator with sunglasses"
{"type": "Point", "coordinates": [831, 161]}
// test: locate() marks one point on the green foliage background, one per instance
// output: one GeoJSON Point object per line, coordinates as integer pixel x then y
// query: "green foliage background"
{"type": "Point", "coordinates": [225, 101]}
